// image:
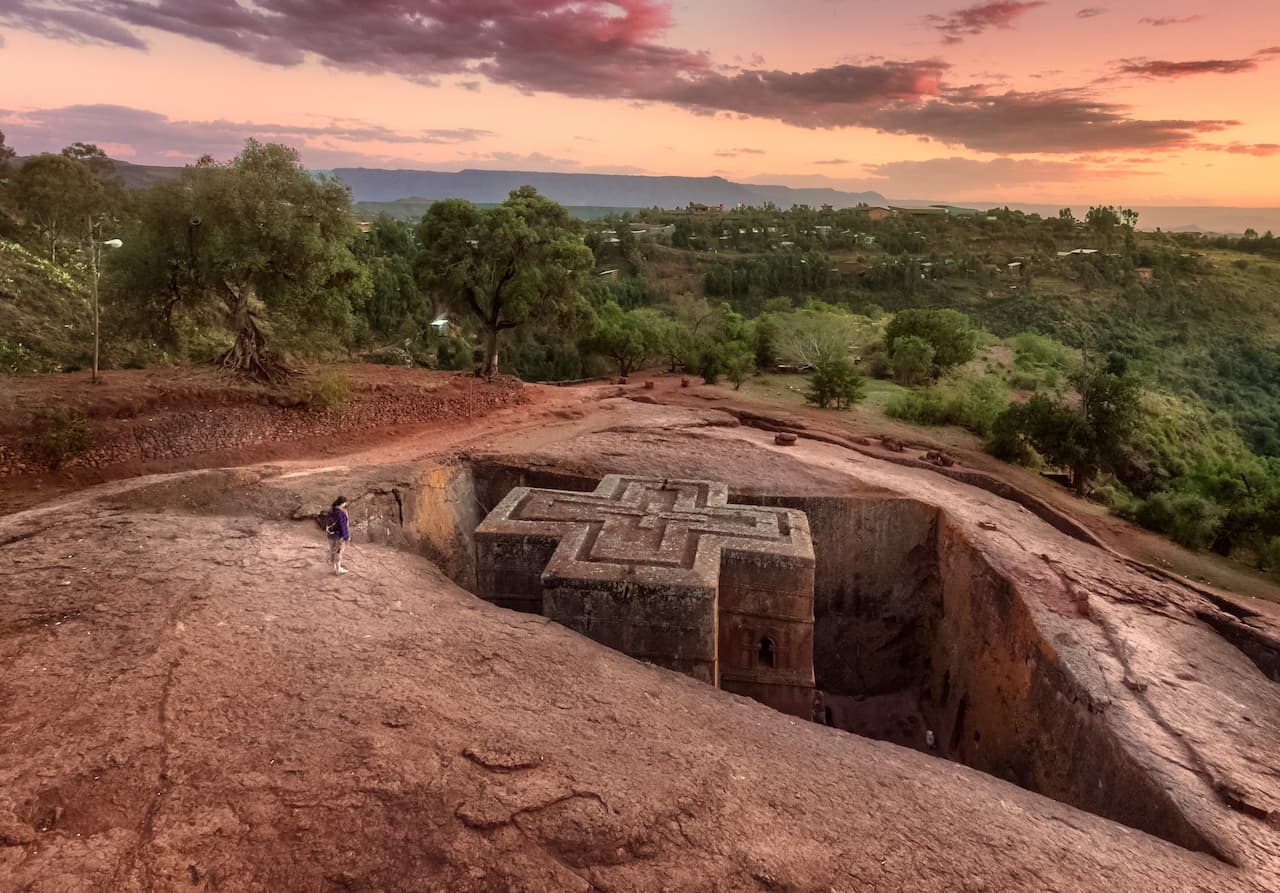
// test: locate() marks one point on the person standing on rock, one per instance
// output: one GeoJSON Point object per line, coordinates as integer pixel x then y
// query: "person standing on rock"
{"type": "Point", "coordinates": [339, 534]}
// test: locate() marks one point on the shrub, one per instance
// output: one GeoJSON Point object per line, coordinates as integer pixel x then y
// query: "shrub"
{"type": "Point", "coordinates": [739, 362]}
{"type": "Point", "coordinates": [1186, 518]}
{"type": "Point", "coordinates": [834, 380]}
{"type": "Point", "coordinates": [981, 402]}
{"type": "Point", "coordinates": [973, 405]}
{"type": "Point", "coordinates": [1008, 441]}
{"type": "Point", "coordinates": [1024, 381]}
{"type": "Point", "coordinates": [1031, 350]}
{"type": "Point", "coordinates": [948, 331]}
{"type": "Point", "coordinates": [17, 359]}
{"type": "Point", "coordinates": [875, 360]}
{"type": "Point", "coordinates": [327, 390]}
{"type": "Point", "coordinates": [1270, 558]}
{"type": "Point", "coordinates": [926, 407]}
{"type": "Point", "coordinates": [388, 356]}
{"type": "Point", "coordinates": [453, 354]}
{"type": "Point", "coordinates": [60, 435]}
{"type": "Point", "coordinates": [705, 359]}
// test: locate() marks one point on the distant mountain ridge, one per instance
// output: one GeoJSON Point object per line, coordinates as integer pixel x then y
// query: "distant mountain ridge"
{"type": "Point", "coordinates": [613, 190]}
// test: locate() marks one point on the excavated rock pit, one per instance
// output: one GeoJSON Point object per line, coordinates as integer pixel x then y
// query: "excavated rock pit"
{"type": "Point", "coordinates": [918, 640]}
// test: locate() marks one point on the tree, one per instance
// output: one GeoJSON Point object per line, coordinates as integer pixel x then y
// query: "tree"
{"type": "Point", "coordinates": [92, 157]}
{"type": "Point", "coordinates": [1048, 426]}
{"type": "Point", "coordinates": [810, 335]}
{"type": "Point", "coordinates": [262, 240]}
{"type": "Point", "coordinates": [949, 332]}
{"type": "Point", "coordinates": [57, 195]}
{"type": "Point", "coordinates": [1103, 220]}
{"type": "Point", "coordinates": [1084, 440]}
{"type": "Point", "coordinates": [912, 360]}
{"type": "Point", "coordinates": [835, 380]}
{"type": "Point", "coordinates": [674, 342]}
{"type": "Point", "coordinates": [739, 361]}
{"type": "Point", "coordinates": [1109, 402]}
{"type": "Point", "coordinates": [628, 337]}
{"type": "Point", "coordinates": [390, 251]}
{"type": "Point", "coordinates": [156, 271]}
{"type": "Point", "coordinates": [7, 154]}
{"type": "Point", "coordinates": [505, 265]}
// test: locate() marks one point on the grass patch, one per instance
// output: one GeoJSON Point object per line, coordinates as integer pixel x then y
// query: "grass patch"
{"type": "Point", "coordinates": [325, 390]}
{"type": "Point", "coordinates": [60, 436]}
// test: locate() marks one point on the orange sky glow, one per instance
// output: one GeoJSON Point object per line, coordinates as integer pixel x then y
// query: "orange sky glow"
{"type": "Point", "coordinates": [1167, 102]}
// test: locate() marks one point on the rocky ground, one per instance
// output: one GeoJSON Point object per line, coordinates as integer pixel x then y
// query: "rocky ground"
{"type": "Point", "coordinates": [190, 702]}
{"type": "Point", "coordinates": [145, 421]}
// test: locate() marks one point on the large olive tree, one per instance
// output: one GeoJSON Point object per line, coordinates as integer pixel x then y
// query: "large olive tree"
{"type": "Point", "coordinates": [262, 240]}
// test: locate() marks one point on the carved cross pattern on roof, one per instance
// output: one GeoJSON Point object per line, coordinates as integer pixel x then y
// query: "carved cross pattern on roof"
{"type": "Point", "coordinates": [673, 530]}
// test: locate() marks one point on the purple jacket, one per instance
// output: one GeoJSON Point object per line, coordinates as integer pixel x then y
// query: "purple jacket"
{"type": "Point", "coordinates": [342, 531]}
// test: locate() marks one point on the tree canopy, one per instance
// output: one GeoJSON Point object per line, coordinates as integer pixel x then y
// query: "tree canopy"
{"type": "Point", "coordinates": [7, 154]}
{"type": "Point", "coordinates": [1084, 439]}
{"type": "Point", "coordinates": [262, 240]}
{"type": "Point", "coordinates": [57, 195]}
{"type": "Point", "coordinates": [948, 331]}
{"type": "Point", "coordinates": [628, 337]}
{"type": "Point", "coordinates": [521, 260]}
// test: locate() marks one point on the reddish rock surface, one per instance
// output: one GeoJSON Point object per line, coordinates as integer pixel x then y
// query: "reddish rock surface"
{"type": "Point", "coordinates": [190, 702]}
{"type": "Point", "coordinates": [137, 417]}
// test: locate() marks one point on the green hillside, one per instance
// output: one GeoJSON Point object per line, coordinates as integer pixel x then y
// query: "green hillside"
{"type": "Point", "coordinates": [1199, 320]}
{"type": "Point", "coordinates": [45, 316]}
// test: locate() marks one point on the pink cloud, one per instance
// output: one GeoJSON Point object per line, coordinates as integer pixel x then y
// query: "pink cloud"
{"type": "Point", "coordinates": [1165, 21]}
{"type": "Point", "coordinates": [1040, 122]}
{"type": "Point", "coordinates": [1260, 150]}
{"type": "Point", "coordinates": [150, 137]}
{"type": "Point", "coordinates": [975, 20]}
{"type": "Point", "coordinates": [1159, 68]}
{"type": "Point", "coordinates": [955, 174]}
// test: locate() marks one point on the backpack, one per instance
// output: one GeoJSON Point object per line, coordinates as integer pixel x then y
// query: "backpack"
{"type": "Point", "coordinates": [327, 521]}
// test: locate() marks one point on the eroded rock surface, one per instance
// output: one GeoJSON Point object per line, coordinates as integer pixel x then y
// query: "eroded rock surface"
{"type": "Point", "coordinates": [190, 702]}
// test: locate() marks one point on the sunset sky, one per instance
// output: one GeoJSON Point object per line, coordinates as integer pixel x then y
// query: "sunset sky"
{"type": "Point", "coordinates": [1141, 101]}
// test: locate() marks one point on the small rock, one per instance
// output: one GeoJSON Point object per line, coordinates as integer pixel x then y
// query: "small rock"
{"type": "Point", "coordinates": [892, 444]}
{"type": "Point", "coordinates": [483, 814]}
{"type": "Point", "coordinates": [501, 758]}
{"type": "Point", "coordinates": [648, 385]}
{"type": "Point", "coordinates": [784, 438]}
{"type": "Point", "coordinates": [684, 382]}
{"type": "Point", "coordinates": [15, 833]}
{"type": "Point", "coordinates": [988, 525]}
{"type": "Point", "coordinates": [939, 458]}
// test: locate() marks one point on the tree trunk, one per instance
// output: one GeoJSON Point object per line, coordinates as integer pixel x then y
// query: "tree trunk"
{"type": "Point", "coordinates": [249, 355]}
{"type": "Point", "coordinates": [490, 368]}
